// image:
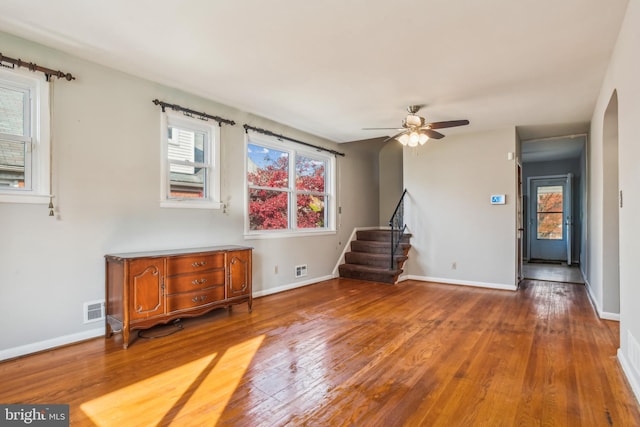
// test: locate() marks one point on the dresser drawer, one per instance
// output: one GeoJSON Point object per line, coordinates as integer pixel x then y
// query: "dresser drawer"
{"type": "Point", "coordinates": [194, 281]}
{"type": "Point", "coordinates": [194, 299]}
{"type": "Point", "coordinates": [193, 263]}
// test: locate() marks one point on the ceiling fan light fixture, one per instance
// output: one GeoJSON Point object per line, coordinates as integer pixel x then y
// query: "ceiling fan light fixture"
{"type": "Point", "coordinates": [413, 120]}
{"type": "Point", "coordinates": [414, 139]}
{"type": "Point", "coordinates": [415, 132]}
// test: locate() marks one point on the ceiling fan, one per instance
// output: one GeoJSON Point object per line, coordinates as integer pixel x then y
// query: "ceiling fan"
{"type": "Point", "coordinates": [415, 131]}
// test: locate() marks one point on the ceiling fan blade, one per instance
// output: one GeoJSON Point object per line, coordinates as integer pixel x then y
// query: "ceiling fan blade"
{"type": "Point", "coordinates": [432, 134]}
{"type": "Point", "coordinates": [381, 128]}
{"type": "Point", "coordinates": [447, 124]}
{"type": "Point", "coordinates": [397, 135]}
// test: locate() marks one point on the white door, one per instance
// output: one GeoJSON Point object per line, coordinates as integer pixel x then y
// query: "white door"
{"type": "Point", "coordinates": [550, 220]}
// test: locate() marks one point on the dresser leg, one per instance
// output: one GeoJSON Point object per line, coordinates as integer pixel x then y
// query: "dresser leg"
{"type": "Point", "coordinates": [125, 338]}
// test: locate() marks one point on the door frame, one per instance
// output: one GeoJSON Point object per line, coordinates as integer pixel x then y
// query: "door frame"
{"type": "Point", "coordinates": [567, 222]}
{"type": "Point", "coordinates": [520, 218]}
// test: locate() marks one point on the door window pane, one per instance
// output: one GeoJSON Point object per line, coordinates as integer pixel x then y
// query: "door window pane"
{"type": "Point", "coordinates": [549, 218]}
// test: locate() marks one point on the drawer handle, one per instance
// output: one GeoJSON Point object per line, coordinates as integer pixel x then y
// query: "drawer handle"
{"type": "Point", "coordinates": [199, 282]}
{"type": "Point", "coordinates": [199, 299]}
{"type": "Point", "coordinates": [199, 264]}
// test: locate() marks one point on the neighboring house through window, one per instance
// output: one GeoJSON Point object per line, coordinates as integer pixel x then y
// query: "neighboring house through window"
{"type": "Point", "coordinates": [190, 163]}
{"type": "Point", "coordinates": [290, 188]}
{"type": "Point", "coordinates": [24, 137]}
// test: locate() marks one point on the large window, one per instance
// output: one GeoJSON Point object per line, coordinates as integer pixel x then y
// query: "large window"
{"type": "Point", "coordinates": [24, 138]}
{"type": "Point", "coordinates": [289, 189]}
{"type": "Point", "coordinates": [190, 163]}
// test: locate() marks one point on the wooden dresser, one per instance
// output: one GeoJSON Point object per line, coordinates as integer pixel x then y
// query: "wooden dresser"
{"type": "Point", "coordinates": [150, 288]}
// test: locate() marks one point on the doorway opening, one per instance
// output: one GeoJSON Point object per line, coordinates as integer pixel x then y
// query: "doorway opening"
{"type": "Point", "coordinates": [554, 171]}
{"type": "Point", "coordinates": [610, 215]}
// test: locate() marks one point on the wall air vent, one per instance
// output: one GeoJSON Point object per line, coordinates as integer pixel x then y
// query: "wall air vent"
{"type": "Point", "coordinates": [93, 311]}
{"type": "Point", "coordinates": [301, 270]}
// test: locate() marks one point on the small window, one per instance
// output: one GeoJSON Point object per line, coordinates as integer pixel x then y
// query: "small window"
{"type": "Point", "coordinates": [24, 138]}
{"type": "Point", "coordinates": [289, 189]}
{"type": "Point", "coordinates": [190, 163]}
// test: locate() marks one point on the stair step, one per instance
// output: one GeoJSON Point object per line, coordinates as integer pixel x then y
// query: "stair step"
{"type": "Point", "coordinates": [377, 247]}
{"type": "Point", "coordinates": [371, 274]}
{"type": "Point", "coordinates": [369, 256]}
{"type": "Point", "coordinates": [374, 259]}
{"type": "Point", "coordinates": [380, 235]}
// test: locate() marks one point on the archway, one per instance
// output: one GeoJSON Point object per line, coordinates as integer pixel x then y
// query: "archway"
{"type": "Point", "coordinates": [611, 206]}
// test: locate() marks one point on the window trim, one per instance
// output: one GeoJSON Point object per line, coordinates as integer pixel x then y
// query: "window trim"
{"type": "Point", "coordinates": [40, 139]}
{"type": "Point", "coordinates": [212, 184]}
{"type": "Point", "coordinates": [330, 186]}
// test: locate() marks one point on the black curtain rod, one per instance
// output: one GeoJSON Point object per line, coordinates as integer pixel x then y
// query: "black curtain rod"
{"type": "Point", "coordinates": [48, 72]}
{"type": "Point", "coordinates": [268, 132]}
{"type": "Point", "coordinates": [188, 112]}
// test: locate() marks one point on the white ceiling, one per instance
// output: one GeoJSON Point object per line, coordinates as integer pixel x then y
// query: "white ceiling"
{"type": "Point", "coordinates": [332, 67]}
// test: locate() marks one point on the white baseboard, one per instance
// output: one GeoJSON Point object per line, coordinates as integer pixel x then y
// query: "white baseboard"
{"type": "Point", "coordinates": [290, 286]}
{"type": "Point", "coordinates": [35, 347]}
{"type": "Point", "coordinates": [610, 316]}
{"type": "Point", "coordinates": [463, 282]}
{"type": "Point", "coordinates": [23, 350]}
{"type": "Point", "coordinates": [633, 381]}
{"type": "Point", "coordinates": [601, 314]}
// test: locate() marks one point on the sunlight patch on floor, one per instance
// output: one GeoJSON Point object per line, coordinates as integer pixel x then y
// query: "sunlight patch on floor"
{"type": "Point", "coordinates": [199, 389]}
{"type": "Point", "coordinates": [218, 387]}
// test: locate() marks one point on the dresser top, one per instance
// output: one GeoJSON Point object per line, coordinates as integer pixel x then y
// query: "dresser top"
{"type": "Point", "coordinates": [169, 252]}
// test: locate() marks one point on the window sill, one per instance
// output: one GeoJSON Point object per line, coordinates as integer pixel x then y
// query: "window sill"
{"type": "Point", "coordinates": [287, 234]}
{"type": "Point", "coordinates": [26, 198]}
{"type": "Point", "coordinates": [190, 204]}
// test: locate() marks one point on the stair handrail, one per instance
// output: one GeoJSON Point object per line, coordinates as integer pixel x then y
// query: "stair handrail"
{"type": "Point", "coordinates": [398, 227]}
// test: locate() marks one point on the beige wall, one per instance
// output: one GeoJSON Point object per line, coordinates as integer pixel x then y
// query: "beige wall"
{"type": "Point", "coordinates": [623, 77]}
{"type": "Point", "coordinates": [391, 185]}
{"type": "Point", "coordinates": [449, 184]}
{"type": "Point", "coordinates": [106, 156]}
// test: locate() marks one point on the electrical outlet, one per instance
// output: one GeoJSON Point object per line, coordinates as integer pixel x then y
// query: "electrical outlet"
{"type": "Point", "coordinates": [275, 269]}
{"type": "Point", "coordinates": [454, 265]}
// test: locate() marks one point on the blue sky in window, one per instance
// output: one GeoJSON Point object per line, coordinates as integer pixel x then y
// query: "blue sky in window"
{"type": "Point", "coordinates": [263, 156]}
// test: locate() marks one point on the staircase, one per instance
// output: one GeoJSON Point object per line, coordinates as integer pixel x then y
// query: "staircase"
{"type": "Point", "coordinates": [370, 256]}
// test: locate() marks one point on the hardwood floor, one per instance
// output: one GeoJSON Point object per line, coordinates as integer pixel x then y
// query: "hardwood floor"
{"type": "Point", "coordinates": [345, 352]}
{"type": "Point", "coordinates": [552, 272]}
